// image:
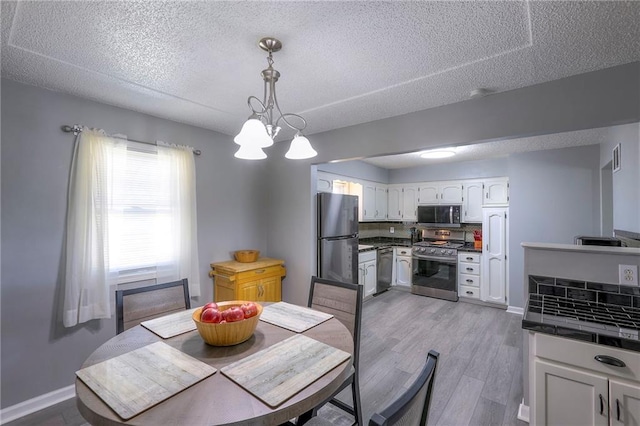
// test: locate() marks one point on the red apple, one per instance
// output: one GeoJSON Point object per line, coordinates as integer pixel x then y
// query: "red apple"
{"type": "Point", "coordinates": [213, 305]}
{"type": "Point", "coordinates": [233, 314]}
{"type": "Point", "coordinates": [211, 315]}
{"type": "Point", "coordinates": [250, 309]}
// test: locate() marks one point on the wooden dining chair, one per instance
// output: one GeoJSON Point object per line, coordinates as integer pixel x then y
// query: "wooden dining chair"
{"type": "Point", "coordinates": [412, 407]}
{"type": "Point", "coordinates": [136, 305]}
{"type": "Point", "coordinates": [344, 302]}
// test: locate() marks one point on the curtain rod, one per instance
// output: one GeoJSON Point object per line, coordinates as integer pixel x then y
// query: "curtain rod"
{"type": "Point", "coordinates": [75, 129]}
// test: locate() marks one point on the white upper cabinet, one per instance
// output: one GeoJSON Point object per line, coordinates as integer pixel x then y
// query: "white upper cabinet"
{"type": "Point", "coordinates": [472, 198]}
{"type": "Point", "coordinates": [440, 192]}
{"type": "Point", "coordinates": [374, 201]}
{"type": "Point", "coordinates": [381, 202]}
{"type": "Point", "coordinates": [394, 197]}
{"type": "Point", "coordinates": [410, 202]}
{"type": "Point", "coordinates": [496, 192]}
{"type": "Point", "coordinates": [402, 202]}
{"type": "Point", "coordinates": [399, 202]}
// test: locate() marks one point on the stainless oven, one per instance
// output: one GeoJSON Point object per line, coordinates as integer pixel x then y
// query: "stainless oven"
{"type": "Point", "coordinates": [435, 275]}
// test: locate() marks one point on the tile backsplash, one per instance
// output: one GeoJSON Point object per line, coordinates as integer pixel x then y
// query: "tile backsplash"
{"type": "Point", "coordinates": [401, 230]}
{"type": "Point", "coordinates": [613, 294]}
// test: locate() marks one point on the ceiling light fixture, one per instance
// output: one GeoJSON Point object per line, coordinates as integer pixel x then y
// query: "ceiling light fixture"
{"type": "Point", "coordinates": [438, 153]}
{"type": "Point", "coordinates": [260, 129]}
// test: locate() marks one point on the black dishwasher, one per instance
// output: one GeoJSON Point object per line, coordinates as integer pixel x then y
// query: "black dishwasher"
{"type": "Point", "coordinates": [385, 267]}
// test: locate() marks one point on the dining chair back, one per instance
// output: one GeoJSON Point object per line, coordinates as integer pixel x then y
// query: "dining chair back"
{"type": "Point", "coordinates": [412, 407]}
{"type": "Point", "coordinates": [344, 302]}
{"type": "Point", "coordinates": [136, 305]}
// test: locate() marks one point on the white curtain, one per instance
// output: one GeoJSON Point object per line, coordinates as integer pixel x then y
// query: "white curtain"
{"type": "Point", "coordinates": [130, 211]}
{"type": "Point", "coordinates": [180, 184]}
{"type": "Point", "coordinates": [87, 278]}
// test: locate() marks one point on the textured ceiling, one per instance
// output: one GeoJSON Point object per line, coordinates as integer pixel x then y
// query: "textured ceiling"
{"type": "Point", "coordinates": [342, 63]}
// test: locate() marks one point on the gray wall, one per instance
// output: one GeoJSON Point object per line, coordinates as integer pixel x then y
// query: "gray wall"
{"type": "Point", "coordinates": [554, 107]}
{"type": "Point", "coordinates": [554, 196]}
{"type": "Point", "coordinates": [626, 181]}
{"type": "Point", "coordinates": [357, 169]}
{"type": "Point", "coordinates": [38, 354]}
{"type": "Point", "coordinates": [458, 170]}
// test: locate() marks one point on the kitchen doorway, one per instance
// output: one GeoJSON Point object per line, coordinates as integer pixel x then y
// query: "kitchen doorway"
{"type": "Point", "coordinates": [606, 200]}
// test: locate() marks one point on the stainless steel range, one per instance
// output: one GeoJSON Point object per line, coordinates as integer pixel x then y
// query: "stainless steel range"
{"type": "Point", "coordinates": [435, 261]}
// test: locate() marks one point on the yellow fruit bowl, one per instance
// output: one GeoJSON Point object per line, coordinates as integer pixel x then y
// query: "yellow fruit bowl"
{"type": "Point", "coordinates": [246, 256]}
{"type": "Point", "coordinates": [228, 333]}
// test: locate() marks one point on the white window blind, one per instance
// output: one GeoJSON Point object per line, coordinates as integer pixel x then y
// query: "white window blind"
{"type": "Point", "coordinates": [140, 231]}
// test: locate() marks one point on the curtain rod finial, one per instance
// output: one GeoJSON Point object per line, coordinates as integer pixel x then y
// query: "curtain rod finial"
{"type": "Point", "coordinates": [69, 129]}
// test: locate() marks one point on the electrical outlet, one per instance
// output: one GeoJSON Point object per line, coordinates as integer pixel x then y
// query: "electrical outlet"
{"type": "Point", "coordinates": [628, 274]}
{"type": "Point", "coordinates": [392, 229]}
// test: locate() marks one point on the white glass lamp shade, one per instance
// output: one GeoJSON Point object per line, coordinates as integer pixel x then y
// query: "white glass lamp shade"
{"type": "Point", "coordinates": [253, 133]}
{"type": "Point", "coordinates": [300, 149]}
{"type": "Point", "coordinates": [247, 152]}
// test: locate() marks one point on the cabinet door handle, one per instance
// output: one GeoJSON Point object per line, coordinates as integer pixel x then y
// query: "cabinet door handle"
{"type": "Point", "coordinates": [469, 281]}
{"type": "Point", "coordinates": [469, 292]}
{"type": "Point", "coordinates": [469, 258]}
{"type": "Point", "coordinates": [618, 409]}
{"type": "Point", "coordinates": [469, 269]}
{"type": "Point", "coordinates": [601, 404]}
{"type": "Point", "coordinates": [609, 360]}
{"type": "Point", "coordinates": [259, 271]}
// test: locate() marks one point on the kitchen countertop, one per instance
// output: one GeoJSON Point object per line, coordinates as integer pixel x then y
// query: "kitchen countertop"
{"type": "Point", "coordinates": [468, 247]}
{"type": "Point", "coordinates": [600, 323]}
{"type": "Point", "coordinates": [366, 244]}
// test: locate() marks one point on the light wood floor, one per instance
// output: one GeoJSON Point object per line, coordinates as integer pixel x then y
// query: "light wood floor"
{"type": "Point", "coordinates": [479, 376]}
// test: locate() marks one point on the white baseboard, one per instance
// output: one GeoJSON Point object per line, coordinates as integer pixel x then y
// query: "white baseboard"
{"type": "Point", "coordinates": [515, 310]}
{"type": "Point", "coordinates": [36, 404]}
{"type": "Point", "coordinates": [523, 412]}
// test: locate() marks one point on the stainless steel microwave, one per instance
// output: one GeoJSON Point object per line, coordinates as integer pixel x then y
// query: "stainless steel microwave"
{"type": "Point", "coordinates": [441, 216]}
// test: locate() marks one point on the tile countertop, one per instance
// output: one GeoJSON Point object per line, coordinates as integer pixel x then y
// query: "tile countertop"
{"type": "Point", "coordinates": [566, 309]}
{"type": "Point", "coordinates": [468, 247]}
{"type": "Point", "coordinates": [366, 244]}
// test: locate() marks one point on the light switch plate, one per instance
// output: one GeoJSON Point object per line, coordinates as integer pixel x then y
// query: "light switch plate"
{"type": "Point", "coordinates": [392, 229]}
{"type": "Point", "coordinates": [628, 274]}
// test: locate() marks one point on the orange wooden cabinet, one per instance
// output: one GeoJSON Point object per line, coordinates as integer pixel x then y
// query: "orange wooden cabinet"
{"type": "Point", "coordinates": [259, 281]}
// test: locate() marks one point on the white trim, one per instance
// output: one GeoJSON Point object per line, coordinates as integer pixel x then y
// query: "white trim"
{"type": "Point", "coordinates": [523, 412]}
{"type": "Point", "coordinates": [36, 404]}
{"type": "Point", "coordinates": [515, 310]}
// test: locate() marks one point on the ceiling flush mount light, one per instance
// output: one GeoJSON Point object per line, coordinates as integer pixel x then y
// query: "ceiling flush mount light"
{"type": "Point", "coordinates": [438, 153]}
{"type": "Point", "coordinates": [260, 128]}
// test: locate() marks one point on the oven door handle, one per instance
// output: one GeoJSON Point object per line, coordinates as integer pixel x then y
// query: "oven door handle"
{"type": "Point", "coordinates": [448, 260]}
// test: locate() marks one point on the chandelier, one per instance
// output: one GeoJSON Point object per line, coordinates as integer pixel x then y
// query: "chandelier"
{"type": "Point", "coordinates": [259, 130]}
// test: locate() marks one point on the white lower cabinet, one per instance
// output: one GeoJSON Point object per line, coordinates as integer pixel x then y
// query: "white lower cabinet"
{"type": "Point", "coordinates": [367, 272]}
{"type": "Point", "coordinates": [469, 275]}
{"type": "Point", "coordinates": [402, 266]}
{"type": "Point", "coordinates": [569, 396]}
{"type": "Point", "coordinates": [568, 386]}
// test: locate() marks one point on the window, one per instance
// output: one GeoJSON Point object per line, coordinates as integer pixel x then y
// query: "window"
{"type": "Point", "coordinates": [131, 217]}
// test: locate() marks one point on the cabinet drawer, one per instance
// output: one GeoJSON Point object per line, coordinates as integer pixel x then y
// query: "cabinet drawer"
{"type": "Point", "coordinates": [402, 251]}
{"type": "Point", "coordinates": [260, 273]}
{"type": "Point", "coordinates": [470, 292]}
{"type": "Point", "coordinates": [469, 257]}
{"type": "Point", "coordinates": [468, 268]}
{"type": "Point", "coordinates": [469, 280]}
{"type": "Point", "coordinates": [582, 354]}
{"type": "Point", "coordinates": [367, 256]}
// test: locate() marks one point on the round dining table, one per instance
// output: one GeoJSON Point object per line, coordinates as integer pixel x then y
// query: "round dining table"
{"type": "Point", "coordinates": [217, 400]}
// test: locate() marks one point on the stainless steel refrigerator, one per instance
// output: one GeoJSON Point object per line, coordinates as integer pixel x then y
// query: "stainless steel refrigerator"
{"type": "Point", "coordinates": [338, 237]}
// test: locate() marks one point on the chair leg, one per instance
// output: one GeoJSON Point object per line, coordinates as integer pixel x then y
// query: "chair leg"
{"type": "Point", "coordinates": [357, 407]}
